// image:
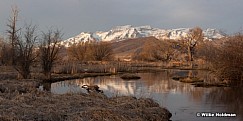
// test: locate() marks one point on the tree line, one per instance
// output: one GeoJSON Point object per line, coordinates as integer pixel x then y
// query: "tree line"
{"type": "Point", "coordinates": [90, 51]}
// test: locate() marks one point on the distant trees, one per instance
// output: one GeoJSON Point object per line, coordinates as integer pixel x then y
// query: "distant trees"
{"type": "Point", "coordinates": [164, 50]}
{"type": "Point", "coordinates": [158, 50]}
{"type": "Point", "coordinates": [97, 51]}
{"type": "Point", "coordinates": [79, 51]}
{"type": "Point", "coordinates": [101, 51]}
{"type": "Point", "coordinates": [48, 50]}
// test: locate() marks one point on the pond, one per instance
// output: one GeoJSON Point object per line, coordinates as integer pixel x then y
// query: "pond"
{"type": "Point", "coordinates": [183, 100]}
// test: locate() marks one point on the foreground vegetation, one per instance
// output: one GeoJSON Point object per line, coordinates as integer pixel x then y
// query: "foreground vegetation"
{"type": "Point", "coordinates": [22, 101]}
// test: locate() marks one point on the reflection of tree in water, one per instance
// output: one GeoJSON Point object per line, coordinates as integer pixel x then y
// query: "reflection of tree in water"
{"type": "Point", "coordinates": [150, 78]}
{"type": "Point", "coordinates": [232, 97]}
{"type": "Point", "coordinates": [162, 82]}
{"type": "Point", "coordinates": [150, 83]}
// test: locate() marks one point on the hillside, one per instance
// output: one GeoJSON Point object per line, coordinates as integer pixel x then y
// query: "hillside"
{"type": "Point", "coordinates": [125, 48]}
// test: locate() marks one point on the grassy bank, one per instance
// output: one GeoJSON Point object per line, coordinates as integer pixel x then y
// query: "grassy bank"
{"type": "Point", "coordinates": [62, 77]}
{"type": "Point", "coordinates": [78, 107]}
{"type": "Point", "coordinates": [21, 101]}
{"type": "Point", "coordinates": [197, 82]}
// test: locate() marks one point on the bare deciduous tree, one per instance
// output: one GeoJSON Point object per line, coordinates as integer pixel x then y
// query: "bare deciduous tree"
{"type": "Point", "coordinates": [13, 32]}
{"type": "Point", "coordinates": [194, 37]}
{"type": "Point", "coordinates": [79, 51]}
{"type": "Point", "coordinates": [101, 51]}
{"type": "Point", "coordinates": [226, 59]}
{"type": "Point", "coordinates": [49, 49]}
{"type": "Point", "coordinates": [163, 50]}
{"type": "Point", "coordinates": [155, 51]}
{"type": "Point", "coordinates": [24, 52]}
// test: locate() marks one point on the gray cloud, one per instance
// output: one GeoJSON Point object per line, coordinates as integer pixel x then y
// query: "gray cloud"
{"type": "Point", "coordinates": [75, 16]}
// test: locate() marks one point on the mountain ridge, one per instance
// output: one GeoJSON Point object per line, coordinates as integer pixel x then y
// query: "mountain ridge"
{"type": "Point", "coordinates": [120, 33]}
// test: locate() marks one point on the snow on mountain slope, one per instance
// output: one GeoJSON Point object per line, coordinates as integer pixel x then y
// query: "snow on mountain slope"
{"type": "Point", "coordinates": [122, 32]}
{"type": "Point", "coordinates": [127, 32]}
{"type": "Point", "coordinates": [213, 34]}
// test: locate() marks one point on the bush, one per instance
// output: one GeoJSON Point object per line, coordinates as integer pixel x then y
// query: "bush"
{"type": "Point", "coordinates": [226, 59]}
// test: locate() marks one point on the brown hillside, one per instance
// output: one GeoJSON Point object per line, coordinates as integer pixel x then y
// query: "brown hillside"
{"type": "Point", "coordinates": [125, 48]}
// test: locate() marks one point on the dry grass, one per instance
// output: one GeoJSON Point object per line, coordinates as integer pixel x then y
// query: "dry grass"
{"type": "Point", "coordinates": [63, 77]}
{"type": "Point", "coordinates": [205, 84]}
{"type": "Point", "coordinates": [7, 72]}
{"type": "Point", "coordinates": [190, 80]}
{"type": "Point", "coordinates": [19, 86]}
{"type": "Point", "coordinates": [197, 82]}
{"type": "Point", "coordinates": [36, 105]}
{"type": "Point", "coordinates": [130, 76]}
{"type": "Point", "coordinates": [113, 67]}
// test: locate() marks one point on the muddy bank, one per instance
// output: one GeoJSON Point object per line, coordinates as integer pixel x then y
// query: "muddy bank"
{"type": "Point", "coordinates": [36, 105]}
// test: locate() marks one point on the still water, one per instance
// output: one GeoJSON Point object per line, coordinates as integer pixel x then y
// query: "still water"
{"type": "Point", "coordinates": [183, 100]}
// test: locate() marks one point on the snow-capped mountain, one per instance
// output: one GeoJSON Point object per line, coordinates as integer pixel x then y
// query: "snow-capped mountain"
{"type": "Point", "coordinates": [126, 32]}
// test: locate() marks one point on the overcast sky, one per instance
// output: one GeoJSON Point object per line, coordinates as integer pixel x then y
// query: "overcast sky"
{"type": "Point", "coordinates": [75, 16]}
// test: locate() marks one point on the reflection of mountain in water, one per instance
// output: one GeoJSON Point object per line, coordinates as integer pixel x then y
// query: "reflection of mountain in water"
{"type": "Point", "coordinates": [113, 85]}
{"type": "Point", "coordinates": [182, 99]}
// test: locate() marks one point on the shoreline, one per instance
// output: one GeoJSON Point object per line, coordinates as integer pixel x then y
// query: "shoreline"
{"type": "Point", "coordinates": [21, 100]}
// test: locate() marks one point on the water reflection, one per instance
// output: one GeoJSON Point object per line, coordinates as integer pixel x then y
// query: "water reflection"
{"type": "Point", "coordinates": [183, 100]}
{"type": "Point", "coordinates": [232, 97]}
